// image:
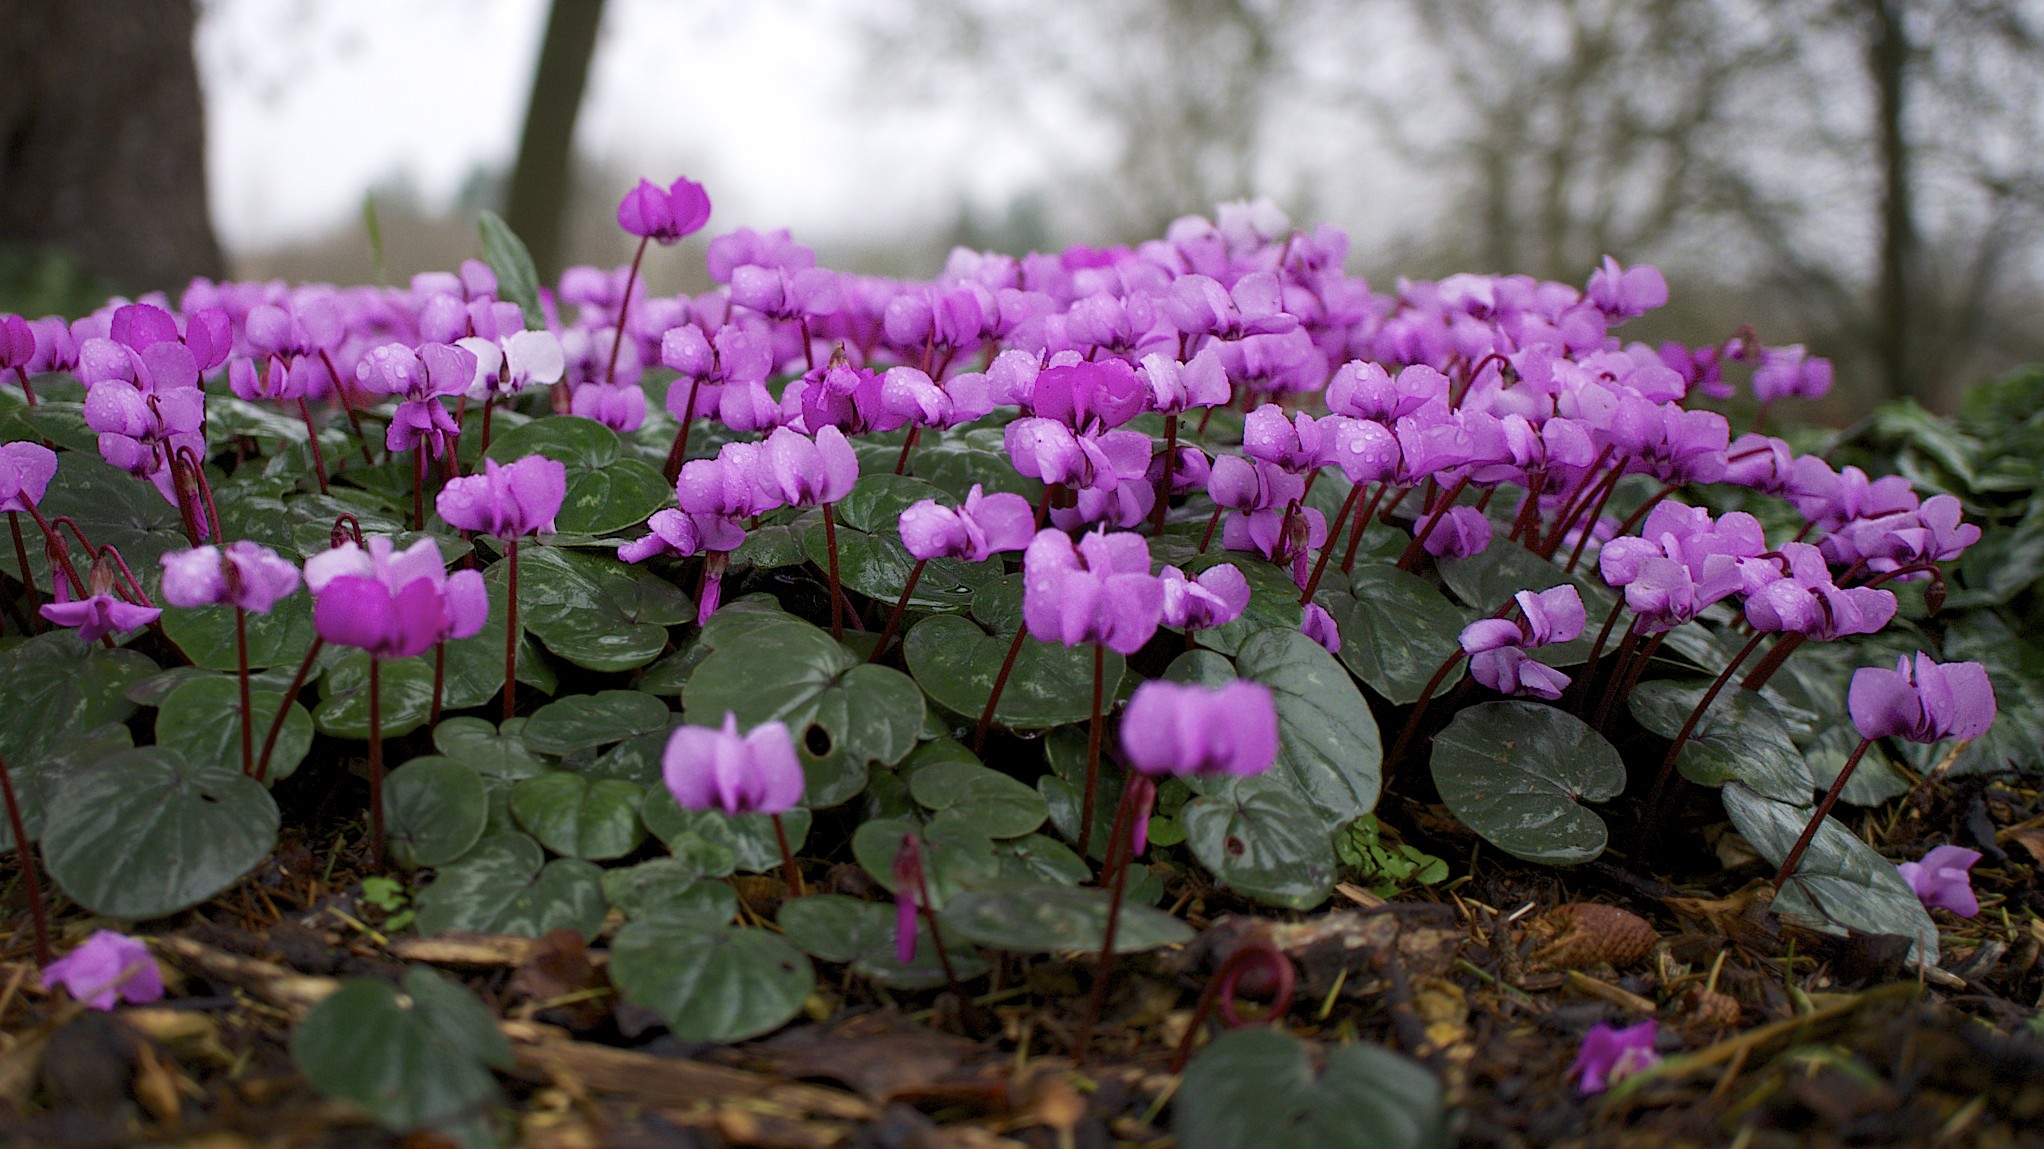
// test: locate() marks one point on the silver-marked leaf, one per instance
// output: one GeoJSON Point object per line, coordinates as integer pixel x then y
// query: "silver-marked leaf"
{"type": "Point", "coordinates": [1259, 838]}
{"type": "Point", "coordinates": [1740, 737]}
{"type": "Point", "coordinates": [1517, 773]}
{"type": "Point", "coordinates": [710, 983]}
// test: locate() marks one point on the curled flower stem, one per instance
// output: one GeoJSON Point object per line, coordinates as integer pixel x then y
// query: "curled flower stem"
{"type": "Point", "coordinates": [789, 870]}
{"type": "Point", "coordinates": [915, 575]}
{"type": "Point", "coordinates": [1221, 988]}
{"type": "Point", "coordinates": [1164, 487]}
{"type": "Point", "coordinates": [1093, 733]}
{"type": "Point", "coordinates": [25, 855]}
{"type": "Point", "coordinates": [986, 716]}
{"type": "Point", "coordinates": [354, 418]}
{"type": "Point", "coordinates": [511, 631]}
{"type": "Point", "coordinates": [59, 551]}
{"type": "Point", "coordinates": [312, 440]}
{"type": "Point", "coordinates": [1795, 854]}
{"type": "Point", "coordinates": [624, 308]}
{"type": "Point", "coordinates": [262, 770]}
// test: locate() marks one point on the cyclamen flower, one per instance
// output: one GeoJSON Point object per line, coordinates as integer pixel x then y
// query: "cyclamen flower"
{"type": "Point", "coordinates": [1926, 701]}
{"type": "Point", "coordinates": [1100, 591]}
{"type": "Point", "coordinates": [509, 365]}
{"type": "Point", "coordinates": [25, 473]}
{"type": "Point", "coordinates": [664, 215]}
{"type": "Point", "coordinates": [392, 603]}
{"type": "Point", "coordinates": [756, 773]}
{"type": "Point", "coordinates": [1785, 371]}
{"type": "Point", "coordinates": [1623, 293]}
{"type": "Point", "coordinates": [1089, 396]}
{"type": "Point", "coordinates": [682, 534]}
{"type": "Point", "coordinates": [104, 967]}
{"type": "Point", "coordinates": [1320, 626]}
{"type": "Point", "coordinates": [1497, 646]}
{"type": "Point", "coordinates": [1943, 880]}
{"type": "Point", "coordinates": [1217, 597]}
{"type": "Point", "coordinates": [1460, 533]}
{"type": "Point", "coordinates": [507, 500]}
{"type": "Point", "coordinates": [907, 872]}
{"type": "Point", "coordinates": [419, 379]}
{"type": "Point", "coordinates": [96, 615]}
{"type": "Point", "coordinates": [985, 526]}
{"type": "Point", "coordinates": [1611, 1055]}
{"type": "Point", "coordinates": [619, 406]}
{"type": "Point", "coordinates": [1806, 601]}
{"type": "Point", "coordinates": [1179, 729]}
{"type": "Point", "coordinates": [248, 575]}
{"type": "Point", "coordinates": [803, 472]}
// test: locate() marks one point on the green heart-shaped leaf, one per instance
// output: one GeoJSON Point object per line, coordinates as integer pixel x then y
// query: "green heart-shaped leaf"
{"type": "Point", "coordinates": [1050, 685]}
{"type": "Point", "coordinates": [434, 810]}
{"type": "Point", "coordinates": [956, 460]}
{"type": "Point", "coordinates": [1488, 581]}
{"type": "Point", "coordinates": [41, 780]}
{"type": "Point", "coordinates": [988, 801]}
{"type": "Point", "coordinates": [1258, 837]}
{"type": "Point", "coordinates": [575, 817]}
{"type": "Point", "coordinates": [475, 665]}
{"type": "Point", "coordinates": [53, 686]}
{"type": "Point", "coordinates": [146, 833]}
{"type": "Point", "coordinates": [669, 888]}
{"type": "Point", "coordinates": [607, 491]}
{"type": "Point", "coordinates": [586, 721]}
{"type": "Point", "coordinates": [1256, 1089]}
{"type": "Point", "coordinates": [594, 611]}
{"type": "Point", "coordinates": [1036, 858]}
{"type": "Point", "coordinates": [1396, 632]}
{"type": "Point", "coordinates": [835, 928]}
{"type": "Point", "coordinates": [500, 887]}
{"type": "Point", "coordinates": [1740, 737]}
{"type": "Point", "coordinates": [877, 565]}
{"type": "Point", "coordinates": [1516, 773]}
{"type": "Point", "coordinates": [491, 751]}
{"type": "Point", "coordinates": [1273, 600]}
{"type": "Point", "coordinates": [202, 720]}
{"type": "Point", "coordinates": [711, 984]}
{"type": "Point", "coordinates": [1036, 918]}
{"type": "Point", "coordinates": [206, 634]}
{"type": "Point", "coordinates": [955, 857]}
{"type": "Point", "coordinates": [419, 1059]}
{"type": "Point", "coordinates": [406, 687]}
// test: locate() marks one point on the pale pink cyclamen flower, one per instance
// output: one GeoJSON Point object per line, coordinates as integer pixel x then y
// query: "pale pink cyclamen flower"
{"type": "Point", "coordinates": [1943, 880]}
{"type": "Point", "coordinates": [106, 966]}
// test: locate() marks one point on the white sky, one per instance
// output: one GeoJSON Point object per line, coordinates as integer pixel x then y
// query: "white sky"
{"type": "Point", "coordinates": [310, 103]}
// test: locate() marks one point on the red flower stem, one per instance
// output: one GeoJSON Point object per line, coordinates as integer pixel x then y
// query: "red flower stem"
{"type": "Point", "coordinates": [439, 680]}
{"type": "Point", "coordinates": [21, 557]}
{"type": "Point", "coordinates": [624, 308]}
{"type": "Point", "coordinates": [1207, 539]}
{"type": "Point", "coordinates": [354, 418]}
{"type": "Point", "coordinates": [907, 445]}
{"type": "Point", "coordinates": [489, 405]}
{"type": "Point", "coordinates": [1597, 649]}
{"type": "Point", "coordinates": [1093, 733]}
{"type": "Point", "coordinates": [1224, 981]}
{"type": "Point", "coordinates": [1529, 509]}
{"type": "Point", "coordinates": [1164, 487]}
{"type": "Point", "coordinates": [312, 440]}
{"type": "Point", "coordinates": [262, 771]}
{"type": "Point", "coordinates": [1621, 669]}
{"type": "Point", "coordinates": [789, 871]}
{"type": "Point", "coordinates": [1117, 851]}
{"type": "Point", "coordinates": [1590, 526]}
{"type": "Point", "coordinates": [967, 1012]}
{"type": "Point", "coordinates": [54, 544]}
{"type": "Point", "coordinates": [25, 855]}
{"type": "Point", "coordinates": [1572, 503]}
{"type": "Point", "coordinates": [678, 454]}
{"type": "Point", "coordinates": [1795, 855]}
{"type": "Point", "coordinates": [1327, 548]}
{"type": "Point", "coordinates": [375, 761]}
{"type": "Point", "coordinates": [1419, 541]}
{"type": "Point", "coordinates": [419, 487]}
{"type": "Point", "coordinates": [21, 373]}
{"type": "Point", "coordinates": [1632, 520]}
{"type": "Point", "coordinates": [900, 605]}
{"type": "Point", "coordinates": [135, 593]}
{"type": "Point", "coordinates": [986, 716]}
{"type": "Point", "coordinates": [1787, 645]}
{"type": "Point", "coordinates": [247, 725]}
{"type": "Point", "coordinates": [837, 609]}
{"type": "Point", "coordinates": [1362, 524]}
{"type": "Point", "coordinates": [1667, 771]}
{"type": "Point", "coordinates": [511, 631]}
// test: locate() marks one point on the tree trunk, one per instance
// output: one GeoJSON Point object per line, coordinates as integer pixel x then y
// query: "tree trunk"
{"type": "Point", "coordinates": [539, 181]}
{"type": "Point", "coordinates": [103, 138]}
{"type": "Point", "coordinates": [1888, 61]}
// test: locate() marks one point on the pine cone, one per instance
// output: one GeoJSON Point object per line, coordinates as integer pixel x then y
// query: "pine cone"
{"type": "Point", "coordinates": [1584, 933]}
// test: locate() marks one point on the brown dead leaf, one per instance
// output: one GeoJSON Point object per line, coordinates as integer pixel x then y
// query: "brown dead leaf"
{"type": "Point", "coordinates": [879, 1055]}
{"type": "Point", "coordinates": [555, 974]}
{"type": "Point", "coordinates": [157, 1087]}
{"type": "Point", "coordinates": [2030, 838]}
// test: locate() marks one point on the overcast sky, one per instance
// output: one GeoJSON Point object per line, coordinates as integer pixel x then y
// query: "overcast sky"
{"type": "Point", "coordinates": [310, 104]}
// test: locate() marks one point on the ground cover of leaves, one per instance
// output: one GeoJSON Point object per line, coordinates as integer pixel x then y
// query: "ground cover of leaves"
{"type": "Point", "coordinates": [1773, 1035]}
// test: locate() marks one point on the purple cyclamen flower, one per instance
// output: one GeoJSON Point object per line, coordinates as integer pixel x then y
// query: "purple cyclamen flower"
{"type": "Point", "coordinates": [1611, 1055]}
{"type": "Point", "coordinates": [1462, 532]}
{"type": "Point", "coordinates": [1497, 646]}
{"type": "Point", "coordinates": [664, 215]}
{"type": "Point", "coordinates": [619, 406]}
{"type": "Point", "coordinates": [756, 773]}
{"type": "Point", "coordinates": [97, 615]}
{"type": "Point", "coordinates": [1623, 293]}
{"type": "Point", "coordinates": [1089, 396]}
{"type": "Point", "coordinates": [1926, 701]}
{"type": "Point", "coordinates": [507, 500]}
{"type": "Point", "coordinates": [25, 473]}
{"type": "Point", "coordinates": [1176, 388]}
{"type": "Point", "coordinates": [1785, 371]}
{"type": "Point", "coordinates": [985, 526]}
{"type": "Point", "coordinates": [1183, 728]}
{"type": "Point", "coordinates": [801, 471]}
{"type": "Point", "coordinates": [1242, 484]}
{"type": "Point", "coordinates": [107, 966]}
{"type": "Point", "coordinates": [1943, 880]}
{"type": "Point", "coordinates": [1806, 601]}
{"type": "Point", "coordinates": [1319, 626]}
{"type": "Point", "coordinates": [1048, 450]}
{"type": "Point", "coordinates": [1217, 597]}
{"type": "Point", "coordinates": [248, 575]}
{"type": "Point", "coordinates": [1100, 591]}
{"type": "Point", "coordinates": [391, 603]}
{"type": "Point", "coordinates": [682, 534]}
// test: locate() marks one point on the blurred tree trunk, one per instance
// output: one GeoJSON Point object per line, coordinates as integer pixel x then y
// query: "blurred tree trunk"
{"type": "Point", "coordinates": [103, 138]}
{"type": "Point", "coordinates": [539, 181]}
{"type": "Point", "coordinates": [1888, 65]}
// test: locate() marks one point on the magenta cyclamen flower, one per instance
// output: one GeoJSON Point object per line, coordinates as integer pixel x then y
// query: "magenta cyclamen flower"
{"type": "Point", "coordinates": [1943, 880]}
{"type": "Point", "coordinates": [391, 603]}
{"type": "Point", "coordinates": [1183, 728]}
{"type": "Point", "coordinates": [1926, 701]}
{"type": "Point", "coordinates": [1320, 626]}
{"type": "Point", "coordinates": [509, 500]}
{"type": "Point", "coordinates": [1100, 591]}
{"type": "Point", "coordinates": [1610, 1055]}
{"type": "Point", "coordinates": [1217, 597]}
{"type": "Point", "coordinates": [107, 966]}
{"type": "Point", "coordinates": [247, 574]}
{"type": "Point", "coordinates": [97, 615]}
{"type": "Point", "coordinates": [799, 471]}
{"type": "Point", "coordinates": [985, 526]}
{"type": "Point", "coordinates": [664, 214]}
{"type": "Point", "coordinates": [1622, 293]}
{"type": "Point", "coordinates": [683, 534]}
{"type": "Point", "coordinates": [25, 473]}
{"type": "Point", "coordinates": [907, 872]}
{"type": "Point", "coordinates": [756, 773]}
{"type": "Point", "coordinates": [1497, 646]}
